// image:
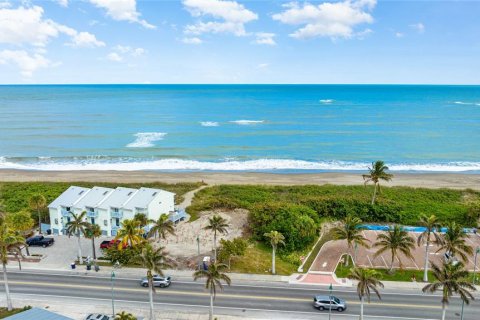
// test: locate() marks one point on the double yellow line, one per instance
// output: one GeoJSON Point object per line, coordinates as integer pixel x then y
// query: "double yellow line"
{"type": "Point", "coordinates": [204, 294]}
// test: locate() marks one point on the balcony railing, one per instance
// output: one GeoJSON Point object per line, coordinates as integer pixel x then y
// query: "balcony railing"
{"type": "Point", "coordinates": [115, 228]}
{"type": "Point", "coordinates": [92, 214]}
{"type": "Point", "coordinates": [66, 213]}
{"type": "Point", "coordinates": [117, 214]}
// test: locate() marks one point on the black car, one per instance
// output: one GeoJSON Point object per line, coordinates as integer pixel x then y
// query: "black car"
{"type": "Point", "coordinates": [39, 241]}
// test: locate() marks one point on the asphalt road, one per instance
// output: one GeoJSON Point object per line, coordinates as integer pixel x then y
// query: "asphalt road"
{"type": "Point", "coordinates": [272, 299]}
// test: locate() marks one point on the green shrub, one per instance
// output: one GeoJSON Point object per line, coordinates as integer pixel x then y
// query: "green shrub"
{"type": "Point", "coordinates": [297, 223]}
{"type": "Point", "coordinates": [125, 256]}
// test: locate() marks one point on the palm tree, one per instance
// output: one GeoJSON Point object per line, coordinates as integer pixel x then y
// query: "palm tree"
{"type": "Point", "coordinates": [77, 227]}
{"type": "Point", "coordinates": [130, 234]}
{"type": "Point", "coordinates": [351, 231]}
{"type": "Point", "coordinates": [93, 231]}
{"type": "Point", "coordinates": [276, 238]}
{"type": "Point", "coordinates": [154, 260]}
{"type": "Point", "coordinates": [125, 316]}
{"type": "Point", "coordinates": [10, 241]}
{"type": "Point", "coordinates": [216, 224]}
{"type": "Point", "coordinates": [376, 173]}
{"type": "Point", "coordinates": [162, 227]}
{"type": "Point", "coordinates": [367, 282]}
{"type": "Point", "coordinates": [454, 242]}
{"type": "Point", "coordinates": [142, 219]}
{"type": "Point", "coordinates": [394, 240]}
{"type": "Point", "coordinates": [432, 226]}
{"type": "Point", "coordinates": [214, 276]}
{"type": "Point", "coordinates": [38, 202]}
{"type": "Point", "coordinates": [450, 278]}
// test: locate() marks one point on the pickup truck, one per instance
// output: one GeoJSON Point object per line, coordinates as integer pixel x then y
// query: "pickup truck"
{"type": "Point", "coordinates": [39, 241]}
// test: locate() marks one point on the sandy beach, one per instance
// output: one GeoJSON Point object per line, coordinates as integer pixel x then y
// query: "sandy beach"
{"type": "Point", "coordinates": [427, 180]}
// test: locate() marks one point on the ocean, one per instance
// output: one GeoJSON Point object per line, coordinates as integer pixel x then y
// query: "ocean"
{"type": "Point", "coordinates": [268, 128]}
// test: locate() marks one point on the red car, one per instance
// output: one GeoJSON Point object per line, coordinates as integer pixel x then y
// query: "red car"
{"type": "Point", "coordinates": [107, 244]}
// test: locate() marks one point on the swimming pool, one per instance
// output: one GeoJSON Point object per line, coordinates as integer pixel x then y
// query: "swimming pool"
{"type": "Point", "coordinates": [408, 228]}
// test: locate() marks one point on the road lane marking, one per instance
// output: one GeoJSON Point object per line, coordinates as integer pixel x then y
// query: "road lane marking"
{"type": "Point", "coordinates": [295, 287]}
{"type": "Point", "coordinates": [204, 294]}
{"type": "Point", "coordinates": [227, 308]}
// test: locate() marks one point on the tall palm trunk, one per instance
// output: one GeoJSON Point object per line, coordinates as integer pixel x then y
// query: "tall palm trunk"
{"type": "Point", "coordinates": [210, 316]}
{"type": "Point", "coordinates": [94, 252]}
{"type": "Point", "coordinates": [7, 290]}
{"type": "Point", "coordinates": [374, 193]}
{"type": "Point", "coordinates": [215, 244]}
{"type": "Point", "coordinates": [39, 221]}
{"type": "Point", "coordinates": [391, 263]}
{"type": "Point", "coordinates": [444, 310]}
{"type": "Point", "coordinates": [273, 259]}
{"type": "Point", "coordinates": [80, 258]}
{"type": "Point", "coordinates": [361, 307]}
{"type": "Point", "coordinates": [425, 271]}
{"type": "Point", "coordinates": [150, 296]}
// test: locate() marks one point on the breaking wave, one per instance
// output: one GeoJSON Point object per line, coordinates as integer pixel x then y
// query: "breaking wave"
{"type": "Point", "coordinates": [146, 139]}
{"type": "Point", "coordinates": [125, 164]}
{"type": "Point", "coordinates": [247, 122]}
{"type": "Point", "coordinates": [209, 124]}
{"type": "Point", "coordinates": [326, 101]}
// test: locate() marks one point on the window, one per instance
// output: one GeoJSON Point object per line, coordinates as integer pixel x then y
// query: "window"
{"type": "Point", "coordinates": [67, 208]}
{"type": "Point", "coordinates": [56, 220]}
{"type": "Point", "coordinates": [105, 223]}
{"type": "Point", "coordinates": [154, 194]}
{"type": "Point", "coordinates": [115, 209]}
{"type": "Point", "coordinates": [117, 222]}
{"type": "Point", "coordinates": [90, 209]}
{"type": "Point", "coordinates": [130, 193]}
{"type": "Point", "coordinates": [105, 193]}
{"type": "Point", "coordinates": [80, 193]}
{"type": "Point", "coordinates": [93, 220]}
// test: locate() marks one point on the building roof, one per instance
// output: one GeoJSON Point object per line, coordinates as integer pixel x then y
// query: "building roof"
{"type": "Point", "coordinates": [94, 197]}
{"type": "Point", "coordinates": [69, 197]}
{"type": "Point", "coordinates": [117, 198]}
{"type": "Point", "coordinates": [37, 314]}
{"type": "Point", "coordinates": [143, 197]}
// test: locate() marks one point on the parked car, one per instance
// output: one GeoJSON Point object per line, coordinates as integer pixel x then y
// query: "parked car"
{"type": "Point", "coordinates": [109, 243]}
{"type": "Point", "coordinates": [40, 241]}
{"type": "Point", "coordinates": [98, 316]}
{"type": "Point", "coordinates": [158, 281]}
{"type": "Point", "coordinates": [323, 303]}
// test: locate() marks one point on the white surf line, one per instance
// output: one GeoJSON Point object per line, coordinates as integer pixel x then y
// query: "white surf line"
{"type": "Point", "coordinates": [218, 307]}
{"type": "Point", "coordinates": [297, 287]}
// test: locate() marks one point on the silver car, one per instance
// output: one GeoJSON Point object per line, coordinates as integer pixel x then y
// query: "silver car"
{"type": "Point", "coordinates": [158, 281]}
{"type": "Point", "coordinates": [325, 302]}
{"type": "Point", "coordinates": [98, 316]}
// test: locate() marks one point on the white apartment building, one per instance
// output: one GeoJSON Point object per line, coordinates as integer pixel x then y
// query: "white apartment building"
{"type": "Point", "coordinates": [108, 207]}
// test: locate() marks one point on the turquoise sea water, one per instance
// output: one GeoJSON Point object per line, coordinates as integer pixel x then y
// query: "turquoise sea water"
{"type": "Point", "coordinates": [240, 127]}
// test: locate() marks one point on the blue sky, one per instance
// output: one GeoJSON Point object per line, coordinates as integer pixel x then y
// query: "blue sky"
{"type": "Point", "coordinates": [219, 41]}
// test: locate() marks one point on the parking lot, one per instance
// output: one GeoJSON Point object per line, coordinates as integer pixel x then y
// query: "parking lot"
{"type": "Point", "coordinates": [331, 252]}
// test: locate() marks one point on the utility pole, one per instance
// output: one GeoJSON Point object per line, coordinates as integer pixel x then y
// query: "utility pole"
{"type": "Point", "coordinates": [198, 250]}
{"type": "Point", "coordinates": [116, 265]}
{"type": "Point", "coordinates": [477, 251]}
{"type": "Point", "coordinates": [330, 304]}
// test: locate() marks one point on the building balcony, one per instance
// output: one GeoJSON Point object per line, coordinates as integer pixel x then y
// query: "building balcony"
{"type": "Point", "coordinates": [66, 213]}
{"type": "Point", "coordinates": [118, 214]}
{"type": "Point", "coordinates": [92, 214]}
{"type": "Point", "coordinates": [115, 228]}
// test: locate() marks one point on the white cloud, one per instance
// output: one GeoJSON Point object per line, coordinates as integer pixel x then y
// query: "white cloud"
{"type": "Point", "coordinates": [5, 5]}
{"type": "Point", "coordinates": [192, 40]}
{"type": "Point", "coordinates": [419, 27]}
{"type": "Point", "coordinates": [26, 63]}
{"type": "Point", "coordinates": [113, 56]}
{"type": "Point", "coordinates": [25, 25]}
{"type": "Point", "coordinates": [263, 65]}
{"type": "Point", "coordinates": [85, 39]}
{"type": "Point", "coordinates": [63, 3]}
{"type": "Point", "coordinates": [121, 52]}
{"type": "Point", "coordinates": [328, 19]}
{"type": "Point", "coordinates": [123, 10]}
{"type": "Point", "coordinates": [399, 34]}
{"type": "Point", "coordinates": [228, 17]}
{"type": "Point", "coordinates": [265, 38]}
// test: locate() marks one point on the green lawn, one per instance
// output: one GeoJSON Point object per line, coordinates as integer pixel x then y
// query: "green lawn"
{"type": "Point", "coordinates": [258, 259]}
{"type": "Point", "coordinates": [5, 313]}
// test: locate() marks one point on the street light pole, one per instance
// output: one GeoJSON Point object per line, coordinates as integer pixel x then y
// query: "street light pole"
{"type": "Point", "coordinates": [477, 250]}
{"type": "Point", "coordinates": [330, 303]}
{"type": "Point", "coordinates": [116, 265]}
